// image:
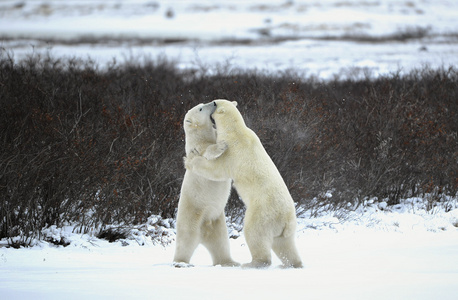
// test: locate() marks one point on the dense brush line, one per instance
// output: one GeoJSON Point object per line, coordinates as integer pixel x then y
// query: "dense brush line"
{"type": "Point", "coordinates": [91, 146]}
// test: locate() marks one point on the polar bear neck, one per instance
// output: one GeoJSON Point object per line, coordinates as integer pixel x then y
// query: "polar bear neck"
{"type": "Point", "coordinates": [233, 131]}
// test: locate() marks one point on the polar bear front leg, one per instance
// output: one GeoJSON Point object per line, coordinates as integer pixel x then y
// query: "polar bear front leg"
{"type": "Point", "coordinates": [216, 150]}
{"type": "Point", "coordinates": [209, 169]}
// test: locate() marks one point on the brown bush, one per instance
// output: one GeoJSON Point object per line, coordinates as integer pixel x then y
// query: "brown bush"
{"type": "Point", "coordinates": [93, 147]}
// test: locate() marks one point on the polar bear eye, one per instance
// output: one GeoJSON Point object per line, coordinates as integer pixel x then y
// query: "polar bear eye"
{"type": "Point", "coordinates": [200, 109]}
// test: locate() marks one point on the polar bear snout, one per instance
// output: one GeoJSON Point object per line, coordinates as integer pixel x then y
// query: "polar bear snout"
{"type": "Point", "coordinates": [208, 108]}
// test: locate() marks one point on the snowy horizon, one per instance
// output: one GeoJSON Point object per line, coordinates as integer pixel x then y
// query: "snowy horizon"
{"type": "Point", "coordinates": [319, 38]}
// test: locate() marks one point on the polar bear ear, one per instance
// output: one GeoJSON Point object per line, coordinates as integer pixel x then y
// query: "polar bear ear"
{"type": "Point", "coordinates": [234, 103]}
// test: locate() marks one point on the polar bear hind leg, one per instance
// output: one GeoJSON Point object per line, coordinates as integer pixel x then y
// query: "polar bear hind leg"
{"type": "Point", "coordinates": [215, 239]}
{"type": "Point", "coordinates": [285, 249]}
{"type": "Point", "coordinates": [188, 233]}
{"type": "Point", "coordinates": [260, 245]}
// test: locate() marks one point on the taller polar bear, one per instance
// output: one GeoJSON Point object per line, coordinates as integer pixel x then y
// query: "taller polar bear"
{"type": "Point", "coordinates": [270, 219]}
{"type": "Point", "coordinates": [200, 216]}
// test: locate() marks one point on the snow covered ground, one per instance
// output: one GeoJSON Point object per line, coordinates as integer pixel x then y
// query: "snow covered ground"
{"type": "Point", "coordinates": [322, 38]}
{"type": "Point", "coordinates": [377, 252]}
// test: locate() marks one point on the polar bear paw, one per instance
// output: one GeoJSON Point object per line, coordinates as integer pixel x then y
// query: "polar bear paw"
{"type": "Point", "coordinates": [181, 265]}
{"type": "Point", "coordinates": [230, 264]}
{"type": "Point", "coordinates": [216, 150]}
{"type": "Point", "coordinates": [257, 265]}
{"type": "Point", "coordinates": [187, 160]}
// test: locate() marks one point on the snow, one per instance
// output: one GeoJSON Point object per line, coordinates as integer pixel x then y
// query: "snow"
{"type": "Point", "coordinates": [320, 38]}
{"type": "Point", "coordinates": [374, 252]}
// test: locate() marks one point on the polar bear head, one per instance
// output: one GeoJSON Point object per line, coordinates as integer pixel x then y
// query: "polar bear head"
{"type": "Point", "coordinates": [199, 127]}
{"type": "Point", "coordinates": [226, 116]}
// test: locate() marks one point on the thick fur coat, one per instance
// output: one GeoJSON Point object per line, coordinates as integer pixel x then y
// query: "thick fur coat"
{"type": "Point", "coordinates": [200, 217]}
{"type": "Point", "coordinates": [270, 219]}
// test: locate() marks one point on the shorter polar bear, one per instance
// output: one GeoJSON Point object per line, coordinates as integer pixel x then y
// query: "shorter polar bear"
{"type": "Point", "coordinates": [200, 217]}
{"type": "Point", "coordinates": [270, 219]}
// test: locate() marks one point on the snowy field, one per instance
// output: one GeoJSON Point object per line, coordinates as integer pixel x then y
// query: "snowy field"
{"type": "Point", "coordinates": [322, 38]}
{"type": "Point", "coordinates": [377, 252]}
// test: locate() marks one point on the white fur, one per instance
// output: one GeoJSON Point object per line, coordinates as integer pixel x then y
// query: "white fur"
{"type": "Point", "coordinates": [270, 219]}
{"type": "Point", "coordinates": [200, 217]}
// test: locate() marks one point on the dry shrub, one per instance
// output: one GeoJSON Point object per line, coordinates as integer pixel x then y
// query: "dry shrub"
{"type": "Point", "coordinates": [93, 147]}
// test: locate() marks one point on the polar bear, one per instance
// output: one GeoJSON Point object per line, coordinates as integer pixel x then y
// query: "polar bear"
{"type": "Point", "coordinates": [200, 216]}
{"type": "Point", "coordinates": [270, 218]}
